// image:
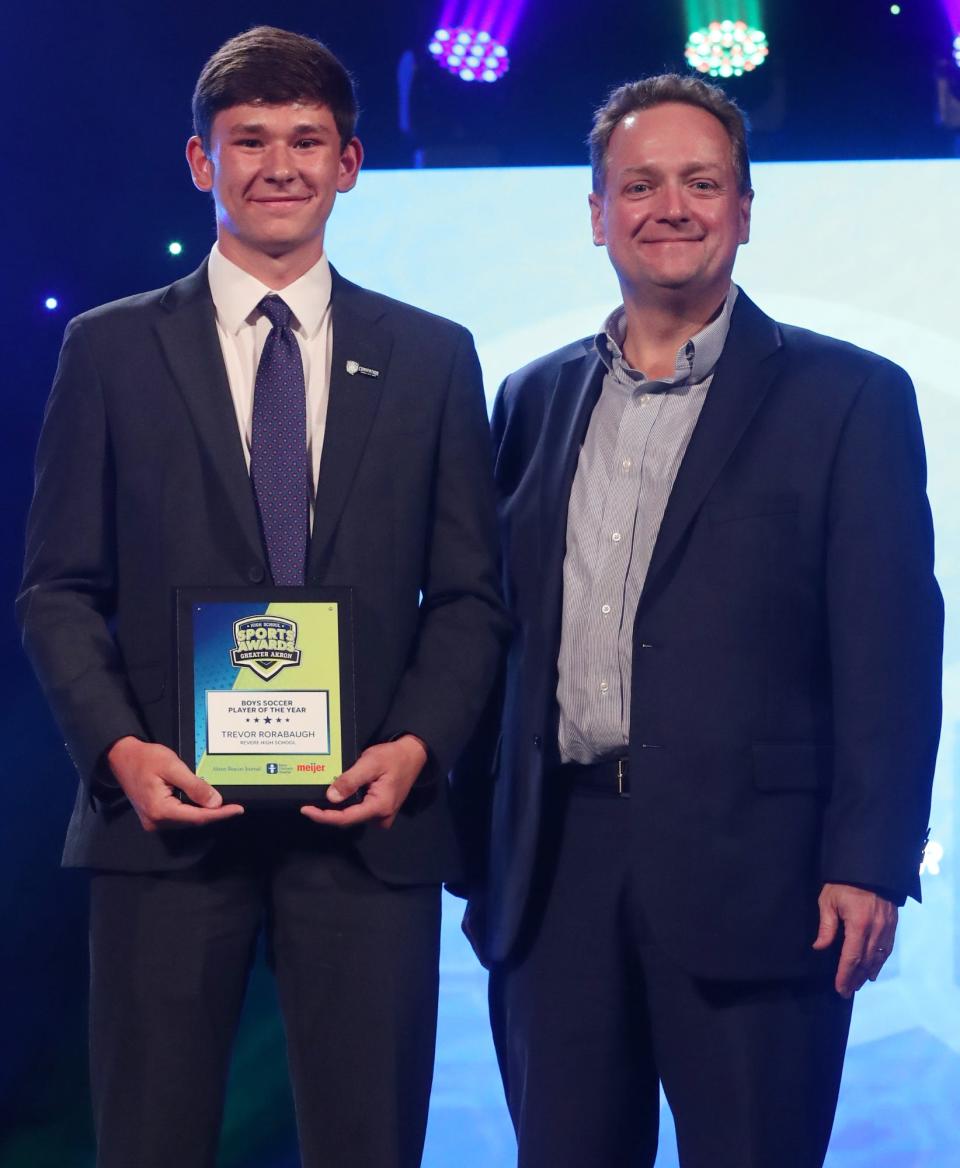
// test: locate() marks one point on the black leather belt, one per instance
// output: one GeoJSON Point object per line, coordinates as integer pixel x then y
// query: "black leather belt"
{"type": "Point", "coordinates": [611, 777]}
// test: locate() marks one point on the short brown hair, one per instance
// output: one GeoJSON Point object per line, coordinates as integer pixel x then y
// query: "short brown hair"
{"type": "Point", "coordinates": [271, 66]}
{"type": "Point", "coordinates": [659, 90]}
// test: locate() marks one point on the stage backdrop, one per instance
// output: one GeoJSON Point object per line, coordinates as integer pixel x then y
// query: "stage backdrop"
{"type": "Point", "coordinates": [863, 251]}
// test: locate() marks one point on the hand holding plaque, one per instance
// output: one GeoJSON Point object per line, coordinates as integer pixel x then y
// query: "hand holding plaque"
{"type": "Point", "coordinates": [385, 774]}
{"type": "Point", "coordinates": [153, 778]}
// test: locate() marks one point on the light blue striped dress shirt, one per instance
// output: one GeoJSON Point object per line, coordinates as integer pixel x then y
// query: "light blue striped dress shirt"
{"type": "Point", "coordinates": [636, 440]}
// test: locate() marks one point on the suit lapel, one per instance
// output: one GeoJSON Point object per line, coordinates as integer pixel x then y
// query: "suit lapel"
{"type": "Point", "coordinates": [188, 335]}
{"type": "Point", "coordinates": [743, 376]}
{"type": "Point", "coordinates": [565, 426]}
{"type": "Point", "coordinates": [352, 406]}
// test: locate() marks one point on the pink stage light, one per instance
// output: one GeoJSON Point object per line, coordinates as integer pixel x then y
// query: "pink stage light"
{"type": "Point", "coordinates": [470, 54]}
{"type": "Point", "coordinates": [951, 9]}
{"type": "Point", "coordinates": [473, 36]}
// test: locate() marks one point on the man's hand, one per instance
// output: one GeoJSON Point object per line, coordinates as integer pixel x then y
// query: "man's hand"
{"type": "Point", "coordinates": [869, 926]}
{"type": "Point", "coordinates": [150, 775]}
{"type": "Point", "coordinates": [388, 771]}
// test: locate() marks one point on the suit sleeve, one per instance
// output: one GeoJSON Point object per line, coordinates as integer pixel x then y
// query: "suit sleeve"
{"type": "Point", "coordinates": [885, 617]}
{"type": "Point", "coordinates": [67, 596]}
{"type": "Point", "coordinates": [462, 622]}
{"type": "Point", "coordinates": [473, 775]}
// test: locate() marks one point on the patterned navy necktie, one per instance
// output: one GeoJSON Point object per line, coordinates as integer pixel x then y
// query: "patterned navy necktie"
{"type": "Point", "coordinates": [278, 455]}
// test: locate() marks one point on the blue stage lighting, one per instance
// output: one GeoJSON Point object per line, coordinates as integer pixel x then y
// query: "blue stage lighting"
{"type": "Point", "coordinates": [51, 304]}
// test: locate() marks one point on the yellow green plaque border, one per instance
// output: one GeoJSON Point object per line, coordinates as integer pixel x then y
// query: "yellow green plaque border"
{"type": "Point", "coordinates": [266, 690]}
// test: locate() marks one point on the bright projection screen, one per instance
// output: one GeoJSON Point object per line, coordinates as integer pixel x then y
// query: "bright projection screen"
{"type": "Point", "coordinates": [864, 251]}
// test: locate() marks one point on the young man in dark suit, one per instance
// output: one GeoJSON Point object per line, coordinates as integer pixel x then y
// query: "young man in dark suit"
{"type": "Point", "coordinates": [721, 705]}
{"type": "Point", "coordinates": [159, 467]}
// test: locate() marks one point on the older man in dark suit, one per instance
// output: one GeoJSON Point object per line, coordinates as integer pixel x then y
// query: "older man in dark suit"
{"type": "Point", "coordinates": [159, 467]}
{"type": "Point", "coordinates": [721, 705]}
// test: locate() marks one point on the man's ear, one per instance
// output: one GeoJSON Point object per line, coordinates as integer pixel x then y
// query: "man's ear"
{"type": "Point", "coordinates": [746, 205]}
{"type": "Point", "coordinates": [596, 218]}
{"type": "Point", "coordinates": [201, 168]}
{"type": "Point", "coordinates": [351, 159]}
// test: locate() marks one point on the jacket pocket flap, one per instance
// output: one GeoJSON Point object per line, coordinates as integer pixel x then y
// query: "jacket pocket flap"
{"type": "Point", "coordinates": [789, 766]}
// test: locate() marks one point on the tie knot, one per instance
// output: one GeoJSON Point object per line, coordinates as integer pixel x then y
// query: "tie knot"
{"type": "Point", "coordinates": [276, 311]}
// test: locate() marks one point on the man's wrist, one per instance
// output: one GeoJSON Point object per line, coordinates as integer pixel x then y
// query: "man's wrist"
{"type": "Point", "coordinates": [426, 771]}
{"type": "Point", "coordinates": [120, 748]}
{"type": "Point", "coordinates": [897, 898]}
{"type": "Point", "coordinates": [413, 738]}
{"type": "Point", "coordinates": [104, 783]}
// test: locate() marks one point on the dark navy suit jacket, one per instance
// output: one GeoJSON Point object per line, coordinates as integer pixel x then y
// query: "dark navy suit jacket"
{"type": "Point", "coordinates": [142, 486]}
{"type": "Point", "coordinates": [786, 649]}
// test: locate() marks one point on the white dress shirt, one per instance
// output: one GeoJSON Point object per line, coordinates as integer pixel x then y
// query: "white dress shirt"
{"type": "Point", "coordinates": [243, 330]}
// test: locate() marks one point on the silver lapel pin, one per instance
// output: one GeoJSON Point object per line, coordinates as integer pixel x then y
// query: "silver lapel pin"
{"type": "Point", "coordinates": [354, 367]}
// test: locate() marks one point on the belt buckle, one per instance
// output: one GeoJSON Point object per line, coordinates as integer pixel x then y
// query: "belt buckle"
{"type": "Point", "coordinates": [623, 778]}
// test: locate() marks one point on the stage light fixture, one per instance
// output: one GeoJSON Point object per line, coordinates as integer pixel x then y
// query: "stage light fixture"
{"type": "Point", "coordinates": [470, 54]}
{"type": "Point", "coordinates": [951, 10]}
{"type": "Point", "coordinates": [175, 248]}
{"type": "Point", "coordinates": [51, 304]}
{"type": "Point", "coordinates": [726, 48]}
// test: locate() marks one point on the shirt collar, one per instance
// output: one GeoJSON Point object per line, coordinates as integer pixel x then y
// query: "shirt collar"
{"type": "Point", "coordinates": [236, 294]}
{"type": "Point", "coordinates": [696, 358]}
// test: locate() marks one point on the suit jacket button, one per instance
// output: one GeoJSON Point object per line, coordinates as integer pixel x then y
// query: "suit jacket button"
{"type": "Point", "coordinates": [537, 741]}
{"type": "Point", "coordinates": [255, 574]}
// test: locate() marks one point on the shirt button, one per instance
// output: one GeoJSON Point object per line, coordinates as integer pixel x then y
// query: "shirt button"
{"type": "Point", "coordinates": [616, 537]}
{"type": "Point", "coordinates": [627, 463]}
{"type": "Point", "coordinates": [605, 609]}
{"type": "Point", "coordinates": [604, 687]}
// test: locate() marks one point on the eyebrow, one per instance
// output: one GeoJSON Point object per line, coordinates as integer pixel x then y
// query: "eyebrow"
{"type": "Point", "coordinates": [690, 168]}
{"type": "Point", "coordinates": [260, 128]}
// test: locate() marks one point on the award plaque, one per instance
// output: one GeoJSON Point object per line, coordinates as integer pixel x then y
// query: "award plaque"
{"type": "Point", "coordinates": [266, 690]}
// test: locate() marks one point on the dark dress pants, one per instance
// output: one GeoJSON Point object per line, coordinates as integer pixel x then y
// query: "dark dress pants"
{"type": "Point", "coordinates": [356, 966]}
{"type": "Point", "coordinates": [592, 1017]}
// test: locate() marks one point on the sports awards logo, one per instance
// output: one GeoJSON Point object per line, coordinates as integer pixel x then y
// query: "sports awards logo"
{"type": "Point", "coordinates": [265, 644]}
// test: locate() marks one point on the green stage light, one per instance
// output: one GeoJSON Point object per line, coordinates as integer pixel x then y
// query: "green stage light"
{"type": "Point", "coordinates": [175, 248]}
{"type": "Point", "coordinates": [726, 48]}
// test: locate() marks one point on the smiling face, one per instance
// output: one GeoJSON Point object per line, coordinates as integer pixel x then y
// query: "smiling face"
{"type": "Point", "coordinates": [274, 172]}
{"type": "Point", "coordinates": [670, 215]}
